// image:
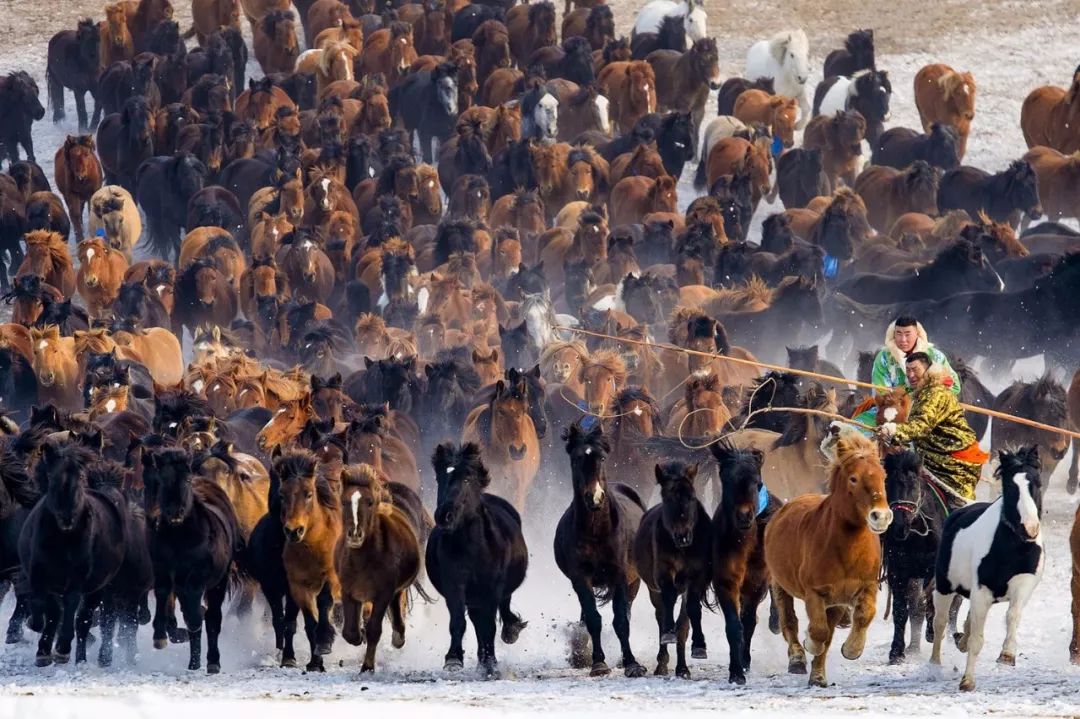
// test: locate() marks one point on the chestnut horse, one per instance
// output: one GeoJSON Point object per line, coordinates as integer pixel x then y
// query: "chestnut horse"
{"type": "Point", "coordinates": [777, 113]}
{"type": "Point", "coordinates": [56, 368]}
{"type": "Point", "coordinates": [1050, 116]}
{"type": "Point", "coordinates": [839, 137]}
{"type": "Point", "coordinates": [1058, 177]}
{"type": "Point", "coordinates": [826, 550]}
{"type": "Point", "coordinates": [889, 193]}
{"type": "Point", "coordinates": [389, 51]}
{"type": "Point", "coordinates": [634, 197]}
{"type": "Point", "coordinates": [507, 439]}
{"type": "Point", "coordinates": [116, 41]}
{"type": "Point", "coordinates": [947, 96]}
{"type": "Point", "coordinates": [630, 88]}
{"type": "Point", "coordinates": [274, 42]}
{"type": "Point", "coordinates": [47, 256]}
{"type": "Point", "coordinates": [78, 176]}
{"type": "Point", "coordinates": [101, 272]}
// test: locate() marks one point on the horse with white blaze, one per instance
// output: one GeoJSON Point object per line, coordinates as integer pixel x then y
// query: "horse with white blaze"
{"type": "Point", "coordinates": [650, 17]}
{"type": "Point", "coordinates": [785, 58]}
{"type": "Point", "coordinates": [990, 553]}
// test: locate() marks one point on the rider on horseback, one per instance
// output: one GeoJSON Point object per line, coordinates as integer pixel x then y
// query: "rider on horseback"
{"type": "Point", "coordinates": [938, 431]}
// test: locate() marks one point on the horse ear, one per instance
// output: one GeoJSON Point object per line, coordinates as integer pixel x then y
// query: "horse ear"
{"type": "Point", "coordinates": [660, 476]}
{"type": "Point", "coordinates": [495, 356]}
{"type": "Point", "coordinates": [535, 371]}
{"type": "Point", "coordinates": [368, 362]}
{"type": "Point", "coordinates": [500, 388]}
{"type": "Point", "coordinates": [758, 455]}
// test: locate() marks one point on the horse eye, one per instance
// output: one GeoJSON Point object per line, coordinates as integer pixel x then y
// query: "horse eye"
{"type": "Point", "coordinates": [853, 480]}
{"type": "Point", "coordinates": [309, 495]}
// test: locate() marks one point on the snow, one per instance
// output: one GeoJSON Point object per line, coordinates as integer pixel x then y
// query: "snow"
{"type": "Point", "coordinates": [536, 677]}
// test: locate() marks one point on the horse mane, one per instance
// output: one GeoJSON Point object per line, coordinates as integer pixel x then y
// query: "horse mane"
{"type": "Point", "coordinates": [798, 424]}
{"type": "Point", "coordinates": [272, 18]}
{"type": "Point", "coordinates": [951, 82]}
{"type": "Point", "coordinates": [851, 447]}
{"type": "Point", "coordinates": [634, 393]}
{"type": "Point", "coordinates": [362, 474]}
{"type": "Point", "coordinates": [14, 475]}
{"type": "Point", "coordinates": [104, 475]}
{"type": "Point", "coordinates": [221, 241]}
{"type": "Point", "coordinates": [219, 450]}
{"type": "Point", "coordinates": [554, 348]}
{"type": "Point", "coordinates": [609, 360]}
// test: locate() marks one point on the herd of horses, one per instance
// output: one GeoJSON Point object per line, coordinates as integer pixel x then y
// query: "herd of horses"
{"type": "Point", "coordinates": [383, 249]}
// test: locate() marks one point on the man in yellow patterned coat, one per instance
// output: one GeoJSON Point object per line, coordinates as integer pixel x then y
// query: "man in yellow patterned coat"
{"type": "Point", "coordinates": [938, 431]}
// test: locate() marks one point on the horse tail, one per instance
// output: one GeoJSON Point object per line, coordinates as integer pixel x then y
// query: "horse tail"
{"type": "Point", "coordinates": [190, 33]}
{"type": "Point", "coordinates": [700, 177]}
{"type": "Point", "coordinates": [418, 587]}
{"type": "Point", "coordinates": [55, 89]}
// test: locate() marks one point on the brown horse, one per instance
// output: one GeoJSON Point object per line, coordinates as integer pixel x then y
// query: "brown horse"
{"type": "Point", "coordinates": [311, 519]}
{"type": "Point", "coordinates": [307, 269]}
{"type": "Point", "coordinates": [373, 438]}
{"type": "Point", "coordinates": [492, 42]}
{"type": "Point", "coordinates": [524, 211]}
{"type": "Point", "coordinates": [684, 79]}
{"type": "Point", "coordinates": [56, 368]}
{"type": "Point", "coordinates": [1058, 176]}
{"type": "Point", "coordinates": [825, 550]}
{"type": "Point", "coordinates": [78, 176]}
{"type": "Point", "coordinates": [389, 51]}
{"type": "Point", "coordinates": [634, 197]}
{"type": "Point", "coordinates": [588, 243]}
{"type": "Point", "coordinates": [101, 272]}
{"type": "Point", "coordinates": [778, 114]}
{"type": "Point", "coordinates": [601, 376]}
{"type": "Point", "coordinates": [431, 21]}
{"type": "Point", "coordinates": [116, 41]}
{"type": "Point", "coordinates": [630, 87]}
{"type": "Point", "coordinates": [208, 16]}
{"type": "Point", "coordinates": [735, 155]}
{"type": "Point", "coordinates": [260, 102]}
{"type": "Point", "coordinates": [643, 161]}
{"type": "Point", "coordinates": [286, 424]}
{"type": "Point", "coordinates": [321, 15]}
{"type": "Point", "coordinates": [507, 439]}
{"type": "Point", "coordinates": [143, 16]}
{"type": "Point", "coordinates": [242, 477]}
{"type": "Point", "coordinates": [274, 41]}
{"type": "Point", "coordinates": [839, 137]}
{"type": "Point", "coordinates": [329, 64]}
{"type": "Point", "coordinates": [701, 412]}
{"type": "Point", "coordinates": [947, 96]}
{"type": "Point", "coordinates": [47, 257]}
{"type": "Point", "coordinates": [377, 559]}
{"type": "Point", "coordinates": [266, 232]}
{"type": "Point", "coordinates": [1050, 116]}
{"type": "Point", "coordinates": [531, 27]}
{"type": "Point", "coordinates": [889, 193]}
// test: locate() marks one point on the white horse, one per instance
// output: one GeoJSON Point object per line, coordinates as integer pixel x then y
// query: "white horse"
{"type": "Point", "coordinates": [541, 121]}
{"type": "Point", "coordinates": [650, 17]}
{"type": "Point", "coordinates": [785, 59]}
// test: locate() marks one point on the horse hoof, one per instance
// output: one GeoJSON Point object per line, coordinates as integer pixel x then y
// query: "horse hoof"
{"type": "Point", "coordinates": [661, 670]}
{"type": "Point", "coordinates": [13, 639]}
{"type": "Point", "coordinates": [161, 643]}
{"type": "Point", "coordinates": [453, 665]}
{"type": "Point", "coordinates": [895, 659]}
{"type": "Point", "coordinates": [43, 660]}
{"type": "Point", "coordinates": [366, 668]}
{"type": "Point", "coordinates": [967, 685]}
{"type": "Point", "coordinates": [600, 669]}
{"type": "Point", "coordinates": [796, 666]}
{"type": "Point", "coordinates": [104, 661]}
{"type": "Point", "coordinates": [818, 680]}
{"type": "Point", "coordinates": [194, 665]}
{"type": "Point", "coordinates": [737, 678]}
{"type": "Point", "coordinates": [667, 638]}
{"type": "Point", "coordinates": [699, 653]}
{"type": "Point", "coordinates": [634, 671]}
{"type": "Point", "coordinates": [511, 632]}
{"type": "Point", "coordinates": [850, 653]}
{"type": "Point", "coordinates": [682, 672]}
{"type": "Point", "coordinates": [314, 666]}
{"type": "Point", "coordinates": [61, 658]}
{"type": "Point", "coordinates": [491, 670]}
{"type": "Point", "coordinates": [398, 640]}
{"type": "Point", "coordinates": [1007, 658]}
{"type": "Point", "coordinates": [324, 648]}
{"type": "Point", "coordinates": [812, 647]}
{"type": "Point", "coordinates": [289, 663]}
{"type": "Point", "coordinates": [961, 641]}
{"type": "Point", "coordinates": [178, 635]}
{"type": "Point", "coordinates": [1074, 657]}
{"type": "Point", "coordinates": [213, 668]}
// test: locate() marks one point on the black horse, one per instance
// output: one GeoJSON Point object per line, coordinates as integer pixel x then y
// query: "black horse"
{"type": "Point", "coordinates": [18, 495]}
{"type": "Point", "coordinates": [452, 386]}
{"type": "Point", "coordinates": [427, 102]}
{"type": "Point", "coordinates": [125, 140]}
{"type": "Point", "coordinates": [128, 78]}
{"type": "Point", "coordinates": [800, 177]}
{"type": "Point", "coordinates": [194, 538]}
{"type": "Point", "coordinates": [20, 107]}
{"type": "Point", "coordinates": [594, 541]}
{"type": "Point", "coordinates": [1002, 196]}
{"type": "Point", "coordinates": [392, 380]}
{"type": "Point", "coordinates": [857, 54]}
{"type": "Point", "coordinates": [163, 187]}
{"type": "Point", "coordinates": [900, 146]}
{"type": "Point", "coordinates": [73, 63]}
{"type": "Point", "coordinates": [869, 94]}
{"type": "Point", "coordinates": [910, 546]}
{"type": "Point", "coordinates": [476, 556]}
{"type": "Point", "coordinates": [671, 35]}
{"type": "Point", "coordinates": [71, 548]}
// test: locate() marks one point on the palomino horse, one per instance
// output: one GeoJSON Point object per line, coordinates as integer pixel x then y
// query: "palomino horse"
{"type": "Point", "coordinates": [825, 550]}
{"type": "Point", "coordinates": [507, 439]}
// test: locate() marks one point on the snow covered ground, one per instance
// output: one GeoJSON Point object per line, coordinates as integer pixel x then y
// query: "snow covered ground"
{"type": "Point", "coordinates": [1011, 47]}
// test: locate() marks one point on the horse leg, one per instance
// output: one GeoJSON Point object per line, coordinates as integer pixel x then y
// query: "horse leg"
{"type": "Point", "coordinates": [774, 614]}
{"type": "Point", "coordinates": [52, 612]}
{"type": "Point", "coordinates": [215, 597]}
{"type": "Point", "coordinates": [309, 606]}
{"type": "Point", "coordinates": [128, 618]}
{"type": "Point", "coordinates": [162, 605]}
{"type": "Point", "coordinates": [80, 109]}
{"type": "Point", "coordinates": [698, 650]}
{"type": "Point", "coordinates": [511, 623]}
{"type": "Point", "coordinates": [593, 624]}
{"type": "Point", "coordinates": [668, 596]}
{"type": "Point", "coordinates": [865, 608]}
{"type": "Point", "coordinates": [398, 608]}
{"type": "Point", "coordinates": [898, 586]}
{"type": "Point", "coordinates": [748, 608]}
{"type": "Point", "coordinates": [18, 619]}
{"type": "Point", "coordinates": [942, 603]}
{"type": "Point", "coordinates": [1012, 620]}
{"type": "Point", "coordinates": [97, 111]}
{"type": "Point", "coordinates": [917, 603]}
{"type": "Point", "coordinates": [789, 626]}
{"type": "Point", "coordinates": [1074, 645]}
{"type": "Point", "coordinates": [373, 632]}
{"type": "Point", "coordinates": [833, 615]}
{"type": "Point", "coordinates": [350, 629]}
{"type": "Point", "coordinates": [682, 631]}
{"type": "Point", "coordinates": [1074, 467]}
{"type": "Point", "coordinates": [981, 601]}
{"type": "Point", "coordinates": [455, 656]}
{"type": "Point", "coordinates": [71, 602]}
{"type": "Point", "coordinates": [483, 619]}
{"type": "Point", "coordinates": [620, 605]}
{"type": "Point", "coordinates": [190, 599]}
{"type": "Point", "coordinates": [662, 656]}
{"type": "Point", "coordinates": [733, 629]}
{"type": "Point", "coordinates": [56, 97]}
{"type": "Point", "coordinates": [325, 630]}
{"type": "Point", "coordinates": [108, 630]}
{"type": "Point", "coordinates": [288, 653]}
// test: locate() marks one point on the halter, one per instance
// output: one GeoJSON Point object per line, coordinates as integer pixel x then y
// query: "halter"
{"type": "Point", "coordinates": [914, 507]}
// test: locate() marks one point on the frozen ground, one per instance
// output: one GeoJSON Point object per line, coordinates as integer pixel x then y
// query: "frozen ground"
{"type": "Point", "coordinates": [1011, 47]}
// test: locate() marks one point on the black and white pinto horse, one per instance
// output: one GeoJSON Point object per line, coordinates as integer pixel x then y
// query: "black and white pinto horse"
{"type": "Point", "coordinates": [992, 553]}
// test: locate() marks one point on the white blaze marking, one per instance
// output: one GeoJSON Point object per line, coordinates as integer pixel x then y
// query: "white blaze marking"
{"type": "Point", "coordinates": [43, 345]}
{"type": "Point", "coordinates": [890, 414]}
{"type": "Point", "coordinates": [588, 451]}
{"type": "Point", "coordinates": [597, 494]}
{"type": "Point", "coordinates": [449, 469]}
{"type": "Point", "coordinates": [1029, 513]}
{"type": "Point", "coordinates": [172, 425]}
{"type": "Point", "coordinates": [355, 501]}
{"type": "Point", "coordinates": [110, 406]}
{"type": "Point", "coordinates": [197, 385]}
{"type": "Point", "coordinates": [90, 253]}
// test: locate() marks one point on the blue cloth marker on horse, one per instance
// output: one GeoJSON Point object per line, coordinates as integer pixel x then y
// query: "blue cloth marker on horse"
{"type": "Point", "coordinates": [830, 267]}
{"type": "Point", "coordinates": [762, 499]}
{"type": "Point", "coordinates": [777, 146]}
{"type": "Point", "coordinates": [589, 420]}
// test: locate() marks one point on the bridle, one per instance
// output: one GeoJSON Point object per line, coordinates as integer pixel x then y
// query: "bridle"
{"type": "Point", "coordinates": [915, 508]}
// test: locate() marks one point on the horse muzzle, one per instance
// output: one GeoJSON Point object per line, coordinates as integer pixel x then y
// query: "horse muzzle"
{"type": "Point", "coordinates": [583, 194]}
{"type": "Point", "coordinates": [517, 452]}
{"type": "Point", "coordinates": [294, 534]}
{"type": "Point", "coordinates": [92, 281]}
{"type": "Point", "coordinates": [1035, 212]}
{"type": "Point", "coordinates": [878, 520]}
{"type": "Point", "coordinates": [682, 541]}
{"type": "Point", "coordinates": [355, 540]}
{"type": "Point", "coordinates": [47, 380]}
